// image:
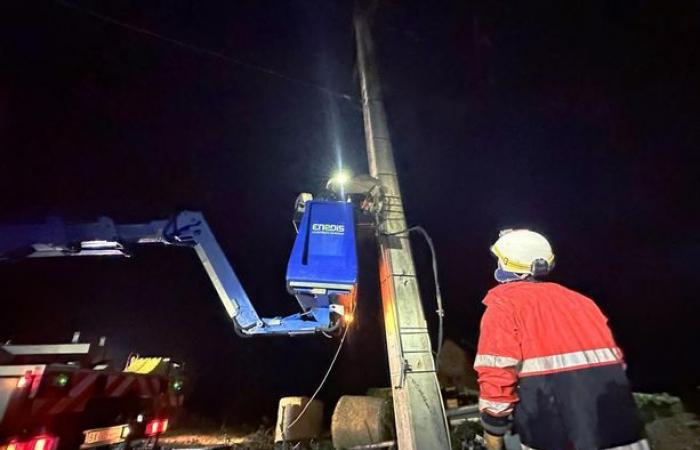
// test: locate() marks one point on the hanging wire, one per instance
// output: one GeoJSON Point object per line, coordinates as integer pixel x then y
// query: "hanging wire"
{"type": "Point", "coordinates": [440, 311]}
{"type": "Point", "coordinates": [323, 381]}
{"type": "Point", "coordinates": [207, 52]}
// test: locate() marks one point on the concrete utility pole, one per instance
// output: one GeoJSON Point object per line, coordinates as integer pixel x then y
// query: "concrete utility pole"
{"type": "Point", "coordinates": [418, 408]}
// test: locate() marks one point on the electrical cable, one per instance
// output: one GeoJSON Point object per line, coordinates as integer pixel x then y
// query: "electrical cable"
{"type": "Point", "coordinates": [205, 51]}
{"type": "Point", "coordinates": [438, 299]}
{"type": "Point", "coordinates": [323, 381]}
{"type": "Point", "coordinates": [440, 311]}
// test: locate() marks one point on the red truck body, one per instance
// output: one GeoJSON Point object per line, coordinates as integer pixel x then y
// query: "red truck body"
{"type": "Point", "coordinates": [65, 396]}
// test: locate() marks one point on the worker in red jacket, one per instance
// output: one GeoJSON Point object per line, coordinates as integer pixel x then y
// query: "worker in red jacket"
{"type": "Point", "coordinates": [547, 361]}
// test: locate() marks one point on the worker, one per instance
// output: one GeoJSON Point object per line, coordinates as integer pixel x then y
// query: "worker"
{"type": "Point", "coordinates": [547, 362]}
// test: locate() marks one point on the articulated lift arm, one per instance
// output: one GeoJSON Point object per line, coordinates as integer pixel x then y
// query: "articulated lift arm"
{"type": "Point", "coordinates": [186, 229]}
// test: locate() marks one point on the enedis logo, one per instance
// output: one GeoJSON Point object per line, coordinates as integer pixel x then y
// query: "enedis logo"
{"type": "Point", "coordinates": [327, 228]}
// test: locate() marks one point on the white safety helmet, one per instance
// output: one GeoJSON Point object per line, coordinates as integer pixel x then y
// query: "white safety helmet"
{"type": "Point", "coordinates": [522, 253]}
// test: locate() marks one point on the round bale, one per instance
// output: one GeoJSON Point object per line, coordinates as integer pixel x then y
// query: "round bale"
{"type": "Point", "coordinates": [360, 420]}
{"type": "Point", "coordinates": [308, 426]}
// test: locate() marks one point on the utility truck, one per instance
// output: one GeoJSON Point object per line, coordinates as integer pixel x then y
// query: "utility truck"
{"type": "Point", "coordinates": [69, 396]}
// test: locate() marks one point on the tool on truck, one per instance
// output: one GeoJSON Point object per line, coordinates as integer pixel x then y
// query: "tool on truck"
{"type": "Point", "coordinates": [67, 396]}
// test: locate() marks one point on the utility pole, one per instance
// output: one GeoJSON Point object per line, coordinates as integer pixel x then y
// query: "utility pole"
{"type": "Point", "coordinates": [418, 409]}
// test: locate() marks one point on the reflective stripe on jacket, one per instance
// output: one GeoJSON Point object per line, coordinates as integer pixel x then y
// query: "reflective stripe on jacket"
{"type": "Point", "coordinates": [531, 329]}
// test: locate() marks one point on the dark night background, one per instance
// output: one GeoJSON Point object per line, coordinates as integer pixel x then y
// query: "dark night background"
{"type": "Point", "coordinates": [578, 120]}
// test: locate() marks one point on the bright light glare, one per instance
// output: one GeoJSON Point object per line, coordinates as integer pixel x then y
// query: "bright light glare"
{"type": "Point", "coordinates": [341, 177]}
{"type": "Point", "coordinates": [348, 318]}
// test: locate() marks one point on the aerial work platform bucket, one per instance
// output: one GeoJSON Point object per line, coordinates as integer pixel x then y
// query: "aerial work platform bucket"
{"type": "Point", "coordinates": [323, 262]}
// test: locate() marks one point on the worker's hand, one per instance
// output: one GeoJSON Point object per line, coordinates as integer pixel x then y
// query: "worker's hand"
{"type": "Point", "coordinates": [494, 429]}
{"type": "Point", "coordinates": [493, 442]}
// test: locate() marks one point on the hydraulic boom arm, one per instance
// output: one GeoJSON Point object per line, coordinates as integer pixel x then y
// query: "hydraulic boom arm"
{"type": "Point", "coordinates": [186, 229]}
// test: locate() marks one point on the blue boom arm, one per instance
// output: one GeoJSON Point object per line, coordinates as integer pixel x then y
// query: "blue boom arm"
{"type": "Point", "coordinates": [187, 229]}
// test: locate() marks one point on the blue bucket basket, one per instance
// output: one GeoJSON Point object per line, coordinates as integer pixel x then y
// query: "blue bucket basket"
{"type": "Point", "coordinates": [324, 258]}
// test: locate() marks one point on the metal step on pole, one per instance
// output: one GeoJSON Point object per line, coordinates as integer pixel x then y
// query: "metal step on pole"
{"type": "Point", "coordinates": [418, 408]}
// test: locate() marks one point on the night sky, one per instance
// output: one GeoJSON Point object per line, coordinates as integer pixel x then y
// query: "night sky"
{"type": "Point", "coordinates": [580, 121]}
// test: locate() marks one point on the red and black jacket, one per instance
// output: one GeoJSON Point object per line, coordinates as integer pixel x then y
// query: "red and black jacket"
{"type": "Point", "coordinates": [531, 329]}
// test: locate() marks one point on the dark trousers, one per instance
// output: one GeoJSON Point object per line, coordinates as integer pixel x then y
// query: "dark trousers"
{"type": "Point", "coordinates": [587, 409]}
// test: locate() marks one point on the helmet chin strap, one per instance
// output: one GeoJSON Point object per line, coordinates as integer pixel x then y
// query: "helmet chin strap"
{"type": "Point", "coordinates": [503, 276]}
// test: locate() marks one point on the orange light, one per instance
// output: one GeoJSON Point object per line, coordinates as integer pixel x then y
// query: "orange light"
{"type": "Point", "coordinates": [348, 302]}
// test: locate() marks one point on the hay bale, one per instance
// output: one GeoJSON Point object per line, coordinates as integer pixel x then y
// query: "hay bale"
{"type": "Point", "coordinates": [360, 420]}
{"type": "Point", "coordinates": [455, 367]}
{"type": "Point", "coordinates": [384, 393]}
{"type": "Point", "coordinates": [309, 426]}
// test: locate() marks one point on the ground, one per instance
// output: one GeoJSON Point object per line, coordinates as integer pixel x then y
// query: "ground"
{"type": "Point", "coordinates": [668, 427]}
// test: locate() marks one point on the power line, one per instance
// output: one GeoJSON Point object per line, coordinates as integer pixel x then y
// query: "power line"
{"type": "Point", "coordinates": [206, 52]}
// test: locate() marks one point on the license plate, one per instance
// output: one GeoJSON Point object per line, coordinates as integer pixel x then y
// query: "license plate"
{"type": "Point", "coordinates": [105, 436]}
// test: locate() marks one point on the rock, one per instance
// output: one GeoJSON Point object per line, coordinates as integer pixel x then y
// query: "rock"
{"type": "Point", "coordinates": [667, 425]}
{"type": "Point", "coordinates": [671, 433]}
